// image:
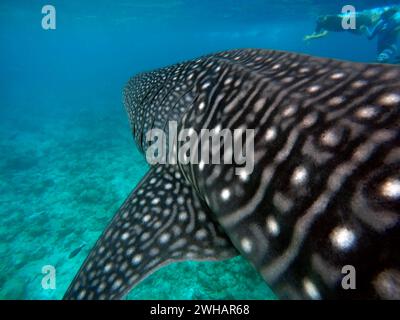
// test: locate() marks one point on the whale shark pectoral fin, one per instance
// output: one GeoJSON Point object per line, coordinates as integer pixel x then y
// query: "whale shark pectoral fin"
{"type": "Point", "coordinates": [162, 221]}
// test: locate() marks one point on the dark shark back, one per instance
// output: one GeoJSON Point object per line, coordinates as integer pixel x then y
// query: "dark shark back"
{"type": "Point", "coordinates": [324, 195]}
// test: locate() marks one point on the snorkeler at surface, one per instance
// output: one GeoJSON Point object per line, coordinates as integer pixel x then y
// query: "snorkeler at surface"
{"type": "Point", "coordinates": [387, 31]}
{"type": "Point", "coordinates": [333, 23]}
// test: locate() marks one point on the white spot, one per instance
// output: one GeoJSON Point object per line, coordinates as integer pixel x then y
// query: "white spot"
{"type": "Point", "coordinates": [166, 212]}
{"type": "Point", "coordinates": [304, 70]}
{"type": "Point", "coordinates": [342, 237]}
{"type": "Point", "coordinates": [359, 84]}
{"type": "Point", "coordinates": [217, 129]}
{"type": "Point", "coordinates": [309, 120]}
{"type": "Point", "coordinates": [322, 71]}
{"type": "Point", "coordinates": [202, 105]}
{"type": "Point", "coordinates": [169, 201]}
{"type": "Point", "coordinates": [136, 259]}
{"type": "Point", "coordinates": [246, 244]}
{"type": "Point", "coordinates": [125, 236]}
{"type": "Point", "coordinates": [243, 175]}
{"type": "Point", "coordinates": [101, 287]}
{"type": "Point", "coordinates": [391, 189]}
{"type": "Point", "coordinates": [387, 284]}
{"type": "Point", "coordinates": [330, 139]}
{"type": "Point", "coordinates": [201, 216]}
{"type": "Point", "coordinates": [165, 237]}
{"type": "Point", "coordinates": [287, 79]}
{"type": "Point", "coordinates": [289, 111]}
{"type": "Point", "coordinates": [146, 218]}
{"type": "Point", "coordinates": [336, 101]}
{"type": "Point", "coordinates": [157, 225]}
{"type": "Point", "coordinates": [299, 176]}
{"type": "Point", "coordinates": [182, 216]}
{"type": "Point", "coordinates": [366, 113]}
{"type": "Point", "coordinates": [168, 186]}
{"type": "Point", "coordinates": [273, 226]}
{"type": "Point", "coordinates": [206, 85]}
{"type": "Point", "coordinates": [81, 294]}
{"type": "Point", "coordinates": [108, 267]}
{"type": "Point", "coordinates": [225, 194]}
{"type": "Point", "coordinates": [276, 66]}
{"type": "Point", "coordinates": [259, 105]}
{"type": "Point", "coordinates": [390, 99]}
{"type": "Point", "coordinates": [190, 255]}
{"type": "Point", "coordinates": [228, 81]}
{"type": "Point", "coordinates": [117, 284]}
{"type": "Point", "coordinates": [337, 76]}
{"type": "Point", "coordinates": [201, 234]}
{"type": "Point", "coordinates": [145, 236]}
{"type": "Point", "coordinates": [201, 165]}
{"type": "Point", "coordinates": [313, 89]}
{"type": "Point", "coordinates": [154, 251]}
{"type": "Point", "coordinates": [155, 201]}
{"type": "Point", "coordinates": [310, 289]}
{"type": "Point", "coordinates": [270, 135]}
{"type": "Point", "coordinates": [181, 200]}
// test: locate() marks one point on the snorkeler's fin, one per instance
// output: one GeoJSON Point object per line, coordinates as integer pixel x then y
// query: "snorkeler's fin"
{"type": "Point", "coordinates": [162, 221]}
{"type": "Point", "coordinates": [315, 35]}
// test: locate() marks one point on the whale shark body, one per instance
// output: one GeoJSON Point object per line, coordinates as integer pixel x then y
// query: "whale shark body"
{"type": "Point", "coordinates": [324, 194]}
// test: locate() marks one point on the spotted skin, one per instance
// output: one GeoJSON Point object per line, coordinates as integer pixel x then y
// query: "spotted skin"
{"type": "Point", "coordinates": [324, 193]}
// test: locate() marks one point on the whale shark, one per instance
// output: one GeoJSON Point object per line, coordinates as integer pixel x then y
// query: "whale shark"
{"type": "Point", "coordinates": [323, 196]}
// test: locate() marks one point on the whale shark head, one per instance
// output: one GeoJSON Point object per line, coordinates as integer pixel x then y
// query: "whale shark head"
{"type": "Point", "coordinates": [320, 205]}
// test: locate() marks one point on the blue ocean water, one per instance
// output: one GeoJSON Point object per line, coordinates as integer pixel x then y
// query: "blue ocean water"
{"type": "Point", "coordinates": [67, 156]}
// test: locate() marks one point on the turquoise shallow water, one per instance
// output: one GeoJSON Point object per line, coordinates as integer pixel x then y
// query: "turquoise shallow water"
{"type": "Point", "coordinates": [67, 156]}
